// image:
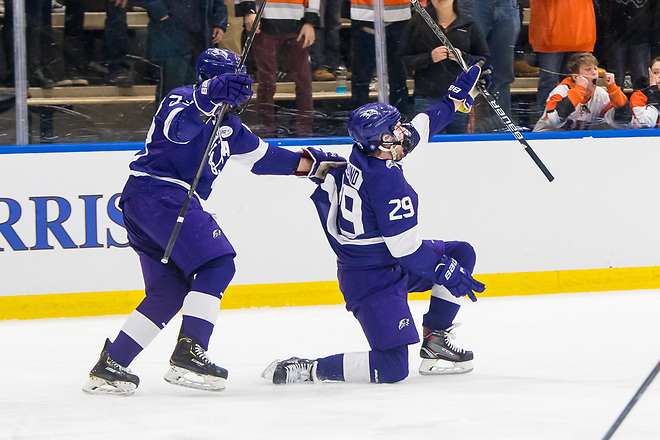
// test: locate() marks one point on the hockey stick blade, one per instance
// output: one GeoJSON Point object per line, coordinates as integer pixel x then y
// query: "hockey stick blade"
{"type": "Point", "coordinates": [632, 402]}
{"type": "Point", "coordinates": [506, 120]}
{"type": "Point", "coordinates": [209, 146]}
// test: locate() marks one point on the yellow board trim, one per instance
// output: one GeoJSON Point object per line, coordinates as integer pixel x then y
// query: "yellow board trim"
{"type": "Point", "coordinates": [327, 292]}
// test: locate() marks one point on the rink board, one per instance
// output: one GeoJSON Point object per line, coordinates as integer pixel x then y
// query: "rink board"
{"type": "Point", "coordinates": [63, 248]}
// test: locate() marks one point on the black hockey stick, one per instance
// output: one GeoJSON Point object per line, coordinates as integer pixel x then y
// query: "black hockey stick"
{"type": "Point", "coordinates": [218, 121]}
{"type": "Point", "coordinates": [632, 402]}
{"type": "Point", "coordinates": [489, 98]}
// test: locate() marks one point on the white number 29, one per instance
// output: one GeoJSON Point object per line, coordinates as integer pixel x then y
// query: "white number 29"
{"type": "Point", "coordinates": [403, 208]}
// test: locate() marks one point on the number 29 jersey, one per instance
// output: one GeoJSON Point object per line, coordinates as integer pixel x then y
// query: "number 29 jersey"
{"type": "Point", "coordinates": [369, 211]}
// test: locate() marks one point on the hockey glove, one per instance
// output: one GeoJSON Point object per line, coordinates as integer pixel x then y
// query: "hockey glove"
{"type": "Point", "coordinates": [231, 89]}
{"type": "Point", "coordinates": [456, 279]}
{"type": "Point", "coordinates": [464, 88]}
{"type": "Point", "coordinates": [486, 78]}
{"type": "Point", "coordinates": [321, 163]}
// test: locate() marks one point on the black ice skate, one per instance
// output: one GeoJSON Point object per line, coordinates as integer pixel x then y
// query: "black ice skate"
{"type": "Point", "coordinates": [108, 377]}
{"type": "Point", "coordinates": [190, 367]}
{"type": "Point", "coordinates": [440, 356]}
{"type": "Point", "coordinates": [291, 370]}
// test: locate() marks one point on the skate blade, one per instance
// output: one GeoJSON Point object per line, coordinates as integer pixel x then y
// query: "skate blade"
{"type": "Point", "coordinates": [430, 367]}
{"type": "Point", "coordinates": [100, 386]}
{"type": "Point", "coordinates": [270, 370]}
{"type": "Point", "coordinates": [186, 378]}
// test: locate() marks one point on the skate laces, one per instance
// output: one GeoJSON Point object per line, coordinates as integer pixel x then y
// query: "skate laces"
{"type": "Point", "coordinates": [450, 345]}
{"type": "Point", "coordinates": [449, 336]}
{"type": "Point", "coordinates": [120, 368]}
{"type": "Point", "coordinates": [200, 353]}
{"type": "Point", "coordinates": [296, 371]}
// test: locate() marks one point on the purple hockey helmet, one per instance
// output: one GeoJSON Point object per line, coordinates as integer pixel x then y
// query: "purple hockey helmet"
{"type": "Point", "coordinates": [366, 124]}
{"type": "Point", "coordinates": [213, 62]}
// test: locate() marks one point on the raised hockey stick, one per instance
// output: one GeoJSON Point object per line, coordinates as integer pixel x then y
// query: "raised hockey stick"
{"type": "Point", "coordinates": [218, 121]}
{"type": "Point", "coordinates": [632, 402]}
{"type": "Point", "coordinates": [489, 98]}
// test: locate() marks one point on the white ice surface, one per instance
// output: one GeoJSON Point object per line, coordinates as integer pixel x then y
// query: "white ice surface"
{"type": "Point", "coordinates": [546, 367]}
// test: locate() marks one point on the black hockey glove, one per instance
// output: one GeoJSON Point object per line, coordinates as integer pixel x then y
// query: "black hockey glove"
{"type": "Point", "coordinates": [231, 89]}
{"type": "Point", "coordinates": [456, 279]}
{"type": "Point", "coordinates": [322, 162]}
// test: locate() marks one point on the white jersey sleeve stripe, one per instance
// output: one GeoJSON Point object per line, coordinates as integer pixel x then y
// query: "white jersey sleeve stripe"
{"type": "Point", "coordinates": [405, 243]}
{"type": "Point", "coordinates": [249, 159]}
{"type": "Point", "coordinates": [422, 124]}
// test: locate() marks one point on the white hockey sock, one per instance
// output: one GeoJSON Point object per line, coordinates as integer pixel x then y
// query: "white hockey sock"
{"type": "Point", "coordinates": [202, 306]}
{"type": "Point", "coordinates": [140, 329]}
{"type": "Point", "coordinates": [441, 292]}
{"type": "Point", "coordinates": [356, 367]}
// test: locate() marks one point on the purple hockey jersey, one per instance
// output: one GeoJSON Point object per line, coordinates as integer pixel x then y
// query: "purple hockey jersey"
{"type": "Point", "coordinates": [178, 138]}
{"type": "Point", "coordinates": [368, 210]}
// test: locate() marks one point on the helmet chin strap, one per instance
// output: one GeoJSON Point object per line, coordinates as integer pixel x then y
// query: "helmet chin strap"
{"type": "Point", "coordinates": [391, 149]}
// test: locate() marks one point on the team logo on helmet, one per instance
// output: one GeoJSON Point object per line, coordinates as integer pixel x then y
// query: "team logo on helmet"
{"type": "Point", "coordinates": [215, 61]}
{"type": "Point", "coordinates": [369, 113]}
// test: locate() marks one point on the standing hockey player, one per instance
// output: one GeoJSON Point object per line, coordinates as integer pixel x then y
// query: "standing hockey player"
{"type": "Point", "coordinates": [369, 213]}
{"type": "Point", "coordinates": [202, 261]}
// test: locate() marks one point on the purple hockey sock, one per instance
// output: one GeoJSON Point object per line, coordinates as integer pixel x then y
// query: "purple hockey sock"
{"type": "Point", "coordinates": [441, 314]}
{"type": "Point", "coordinates": [331, 367]}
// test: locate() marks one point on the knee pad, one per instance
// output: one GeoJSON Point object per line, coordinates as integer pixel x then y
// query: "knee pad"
{"type": "Point", "coordinates": [389, 366]}
{"type": "Point", "coordinates": [386, 321]}
{"type": "Point", "coordinates": [214, 276]}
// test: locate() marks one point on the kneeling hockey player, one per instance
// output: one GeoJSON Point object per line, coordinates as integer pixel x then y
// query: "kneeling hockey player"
{"type": "Point", "coordinates": [369, 213]}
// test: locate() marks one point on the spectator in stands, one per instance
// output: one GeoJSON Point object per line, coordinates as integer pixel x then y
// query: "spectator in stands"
{"type": "Point", "coordinates": [500, 22]}
{"type": "Point", "coordinates": [325, 50]}
{"type": "Point", "coordinates": [625, 35]}
{"type": "Point", "coordinates": [655, 32]}
{"type": "Point", "coordinates": [645, 102]}
{"type": "Point", "coordinates": [558, 29]}
{"type": "Point", "coordinates": [577, 103]}
{"type": "Point", "coordinates": [232, 40]}
{"type": "Point", "coordinates": [524, 64]}
{"type": "Point", "coordinates": [179, 31]}
{"type": "Point", "coordinates": [431, 64]}
{"type": "Point", "coordinates": [75, 59]}
{"type": "Point", "coordinates": [39, 42]}
{"type": "Point", "coordinates": [116, 43]}
{"type": "Point", "coordinates": [363, 52]}
{"type": "Point", "coordinates": [286, 28]}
